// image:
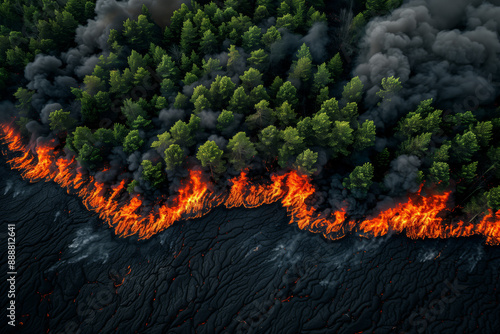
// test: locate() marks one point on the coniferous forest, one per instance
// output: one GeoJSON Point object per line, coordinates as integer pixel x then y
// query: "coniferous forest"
{"type": "Point", "coordinates": [250, 166]}
{"type": "Point", "coordinates": [151, 92]}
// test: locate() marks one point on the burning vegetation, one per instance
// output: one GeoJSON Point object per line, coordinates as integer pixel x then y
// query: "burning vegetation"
{"type": "Point", "coordinates": [419, 217]}
{"type": "Point", "coordinates": [152, 118]}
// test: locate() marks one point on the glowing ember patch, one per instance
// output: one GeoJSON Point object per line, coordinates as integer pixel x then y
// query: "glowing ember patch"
{"type": "Point", "coordinates": [419, 217]}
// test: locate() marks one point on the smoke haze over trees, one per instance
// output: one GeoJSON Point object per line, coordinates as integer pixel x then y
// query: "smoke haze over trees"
{"type": "Point", "coordinates": [148, 90]}
{"type": "Point", "coordinates": [353, 120]}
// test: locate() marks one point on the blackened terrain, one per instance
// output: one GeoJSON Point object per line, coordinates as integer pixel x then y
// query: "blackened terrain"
{"type": "Point", "coordinates": [234, 271]}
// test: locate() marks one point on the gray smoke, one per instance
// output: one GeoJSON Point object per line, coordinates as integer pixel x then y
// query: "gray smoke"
{"type": "Point", "coordinates": [36, 129]}
{"type": "Point", "coordinates": [446, 50]}
{"type": "Point", "coordinates": [134, 161]}
{"type": "Point", "coordinates": [87, 67]}
{"type": "Point", "coordinates": [438, 49]}
{"type": "Point", "coordinates": [48, 80]}
{"type": "Point", "coordinates": [316, 39]}
{"type": "Point", "coordinates": [402, 177]}
{"type": "Point", "coordinates": [52, 77]}
{"type": "Point", "coordinates": [170, 116]}
{"type": "Point", "coordinates": [110, 14]}
{"type": "Point", "coordinates": [208, 119]}
{"type": "Point", "coordinates": [219, 140]}
{"type": "Point", "coordinates": [47, 110]}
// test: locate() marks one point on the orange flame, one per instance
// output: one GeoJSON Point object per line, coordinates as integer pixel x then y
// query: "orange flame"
{"type": "Point", "coordinates": [14, 142]}
{"type": "Point", "coordinates": [419, 217]}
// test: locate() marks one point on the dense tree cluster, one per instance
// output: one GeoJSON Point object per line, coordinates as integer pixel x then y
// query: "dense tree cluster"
{"type": "Point", "coordinates": [28, 28]}
{"type": "Point", "coordinates": [207, 90]}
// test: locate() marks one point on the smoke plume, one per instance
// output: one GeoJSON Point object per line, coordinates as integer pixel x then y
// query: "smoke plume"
{"type": "Point", "coordinates": [110, 14]}
{"type": "Point", "coordinates": [438, 49]}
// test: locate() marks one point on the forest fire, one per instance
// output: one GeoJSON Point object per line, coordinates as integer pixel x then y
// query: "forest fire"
{"type": "Point", "coordinates": [420, 217]}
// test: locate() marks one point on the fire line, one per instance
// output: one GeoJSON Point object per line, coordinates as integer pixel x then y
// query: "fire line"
{"type": "Point", "coordinates": [419, 217]}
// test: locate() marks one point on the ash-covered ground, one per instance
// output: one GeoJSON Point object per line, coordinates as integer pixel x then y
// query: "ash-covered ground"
{"type": "Point", "coordinates": [233, 271]}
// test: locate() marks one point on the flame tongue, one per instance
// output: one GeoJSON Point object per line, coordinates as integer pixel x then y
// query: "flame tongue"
{"type": "Point", "coordinates": [242, 193]}
{"type": "Point", "coordinates": [13, 140]}
{"type": "Point", "coordinates": [419, 217]}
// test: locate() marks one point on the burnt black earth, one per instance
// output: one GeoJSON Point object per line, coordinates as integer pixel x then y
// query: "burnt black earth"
{"type": "Point", "coordinates": [233, 271]}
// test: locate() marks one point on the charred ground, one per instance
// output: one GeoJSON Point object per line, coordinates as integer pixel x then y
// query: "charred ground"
{"type": "Point", "coordinates": [229, 86]}
{"type": "Point", "coordinates": [239, 270]}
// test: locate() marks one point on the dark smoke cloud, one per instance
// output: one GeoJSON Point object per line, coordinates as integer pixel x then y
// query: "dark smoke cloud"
{"type": "Point", "coordinates": [36, 129]}
{"type": "Point", "coordinates": [47, 110]}
{"type": "Point", "coordinates": [316, 39]}
{"type": "Point", "coordinates": [49, 81]}
{"type": "Point", "coordinates": [43, 66]}
{"type": "Point", "coordinates": [438, 49]}
{"type": "Point", "coordinates": [339, 198]}
{"type": "Point", "coordinates": [219, 140]}
{"type": "Point", "coordinates": [87, 67]}
{"type": "Point", "coordinates": [110, 14]}
{"type": "Point", "coordinates": [443, 50]}
{"type": "Point", "coordinates": [52, 77]}
{"type": "Point", "coordinates": [170, 116]}
{"type": "Point", "coordinates": [134, 161]}
{"type": "Point", "coordinates": [160, 10]}
{"type": "Point", "coordinates": [208, 119]}
{"type": "Point", "coordinates": [403, 175]}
